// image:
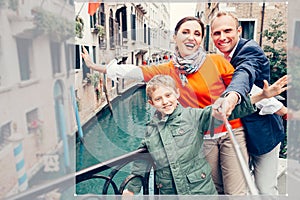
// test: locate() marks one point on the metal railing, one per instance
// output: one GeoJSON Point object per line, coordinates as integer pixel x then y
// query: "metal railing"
{"type": "Point", "coordinates": [94, 172]}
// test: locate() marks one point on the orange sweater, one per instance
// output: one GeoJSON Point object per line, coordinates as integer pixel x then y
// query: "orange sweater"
{"type": "Point", "coordinates": [203, 87]}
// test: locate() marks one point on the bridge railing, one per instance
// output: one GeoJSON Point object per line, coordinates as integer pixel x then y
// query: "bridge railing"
{"type": "Point", "coordinates": [94, 172]}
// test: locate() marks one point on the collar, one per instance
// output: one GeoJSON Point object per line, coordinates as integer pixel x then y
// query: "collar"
{"type": "Point", "coordinates": [233, 50]}
{"type": "Point", "coordinates": [157, 115]}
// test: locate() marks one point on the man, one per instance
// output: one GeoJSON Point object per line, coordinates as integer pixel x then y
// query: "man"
{"type": "Point", "coordinates": [264, 133]}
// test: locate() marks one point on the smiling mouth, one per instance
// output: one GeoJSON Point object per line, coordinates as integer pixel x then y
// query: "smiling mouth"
{"type": "Point", "coordinates": [167, 107]}
{"type": "Point", "coordinates": [190, 45]}
{"type": "Point", "coordinates": [224, 44]}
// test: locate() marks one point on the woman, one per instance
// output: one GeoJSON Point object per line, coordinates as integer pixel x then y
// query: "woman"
{"type": "Point", "coordinates": [201, 79]}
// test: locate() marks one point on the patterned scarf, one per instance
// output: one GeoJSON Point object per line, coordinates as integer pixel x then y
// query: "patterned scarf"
{"type": "Point", "coordinates": [188, 64]}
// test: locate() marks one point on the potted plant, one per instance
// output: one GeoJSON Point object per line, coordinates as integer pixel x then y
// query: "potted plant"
{"type": "Point", "coordinates": [94, 80]}
{"type": "Point", "coordinates": [35, 125]}
{"type": "Point", "coordinates": [101, 30]}
{"type": "Point", "coordinates": [79, 25]}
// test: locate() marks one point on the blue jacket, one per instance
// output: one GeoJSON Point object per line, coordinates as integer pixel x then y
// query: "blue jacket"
{"type": "Point", "coordinates": [263, 132]}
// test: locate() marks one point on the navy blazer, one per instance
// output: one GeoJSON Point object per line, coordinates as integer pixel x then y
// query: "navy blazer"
{"type": "Point", "coordinates": [263, 132]}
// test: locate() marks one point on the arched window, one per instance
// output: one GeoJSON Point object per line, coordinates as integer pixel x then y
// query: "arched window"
{"type": "Point", "coordinates": [121, 18]}
{"type": "Point", "coordinates": [111, 30]}
{"type": "Point", "coordinates": [133, 24]}
{"type": "Point", "coordinates": [102, 15]}
{"type": "Point", "coordinates": [102, 22]}
{"type": "Point", "coordinates": [145, 33]}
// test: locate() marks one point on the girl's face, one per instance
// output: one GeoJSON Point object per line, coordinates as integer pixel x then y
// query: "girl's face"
{"type": "Point", "coordinates": [188, 38]}
{"type": "Point", "coordinates": [164, 99]}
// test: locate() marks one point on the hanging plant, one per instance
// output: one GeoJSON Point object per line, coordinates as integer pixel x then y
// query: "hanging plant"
{"type": "Point", "coordinates": [93, 79]}
{"type": "Point", "coordinates": [10, 4]}
{"type": "Point", "coordinates": [79, 27]}
{"type": "Point", "coordinates": [13, 4]}
{"type": "Point", "coordinates": [2, 3]}
{"type": "Point", "coordinates": [101, 30]}
{"type": "Point", "coordinates": [35, 125]}
{"type": "Point", "coordinates": [53, 25]}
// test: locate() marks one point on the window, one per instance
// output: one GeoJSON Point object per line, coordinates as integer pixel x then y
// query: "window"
{"type": "Point", "coordinates": [145, 33]}
{"type": "Point", "coordinates": [34, 124]}
{"type": "Point", "coordinates": [24, 47]}
{"type": "Point", "coordinates": [248, 29]}
{"type": "Point", "coordinates": [85, 69]}
{"type": "Point", "coordinates": [101, 22]}
{"type": "Point", "coordinates": [296, 42]}
{"type": "Point", "coordinates": [124, 24]}
{"type": "Point", "coordinates": [80, 64]}
{"type": "Point", "coordinates": [78, 56]}
{"type": "Point", "coordinates": [133, 27]}
{"type": "Point", "coordinates": [70, 57]}
{"type": "Point", "coordinates": [102, 15]}
{"type": "Point", "coordinates": [5, 132]}
{"type": "Point", "coordinates": [94, 54]}
{"type": "Point", "coordinates": [112, 84]}
{"type": "Point", "coordinates": [111, 30]}
{"type": "Point", "coordinates": [149, 36]}
{"type": "Point", "coordinates": [55, 48]}
{"type": "Point", "coordinates": [117, 34]}
{"type": "Point", "coordinates": [93, 21]}
{"type": "Point", "coordinates": [71, 2]}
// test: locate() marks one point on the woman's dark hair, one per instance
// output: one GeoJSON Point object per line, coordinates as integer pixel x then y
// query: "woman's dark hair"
{"type": "Point", "coordinates": [190, 18]}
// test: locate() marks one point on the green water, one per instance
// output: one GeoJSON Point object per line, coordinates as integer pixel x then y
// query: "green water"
{"type": "Point", "coordinates": [107, 136]}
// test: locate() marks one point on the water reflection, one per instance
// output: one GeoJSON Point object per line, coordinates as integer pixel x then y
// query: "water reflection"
{"type": "Point", "coordinates": [107, 136]}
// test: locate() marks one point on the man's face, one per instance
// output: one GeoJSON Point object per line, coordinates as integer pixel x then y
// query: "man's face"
{"type": "Point", "coordinates": [225, 33]}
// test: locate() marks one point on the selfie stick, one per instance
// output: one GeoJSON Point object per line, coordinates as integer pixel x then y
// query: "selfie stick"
{"type": "Point", "coordinates": [245, 169]}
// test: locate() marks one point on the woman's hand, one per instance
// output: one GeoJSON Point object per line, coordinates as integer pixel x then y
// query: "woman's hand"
{"type": "Point", "coordinates": [86, 57]}
{"type": "Point", "coordinates": [89, 63]}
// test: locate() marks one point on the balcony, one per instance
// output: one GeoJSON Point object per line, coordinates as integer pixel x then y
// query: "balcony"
{"type": "Point", "coordinates": [115, 165]}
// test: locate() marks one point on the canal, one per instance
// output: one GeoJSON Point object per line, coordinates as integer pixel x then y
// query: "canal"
{"type": "Point", "coordinates": [110, 135]}
{"type": "Point", "coordinates": [107, 136]}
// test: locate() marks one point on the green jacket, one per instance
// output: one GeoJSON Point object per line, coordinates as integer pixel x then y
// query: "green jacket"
{"type": "Point", "coordinates": [175, 144]}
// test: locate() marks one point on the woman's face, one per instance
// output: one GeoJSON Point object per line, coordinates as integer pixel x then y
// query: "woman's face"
{"type": "Point", "coordinates": [188, 38]}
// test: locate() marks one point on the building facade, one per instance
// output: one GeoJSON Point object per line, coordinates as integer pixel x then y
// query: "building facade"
{"type": "Point", "coordinates": [36, 74]}
{"type": "Point", "coordinates": [134, 33]}
{"type": "Point", "coordinates": [45, 86]}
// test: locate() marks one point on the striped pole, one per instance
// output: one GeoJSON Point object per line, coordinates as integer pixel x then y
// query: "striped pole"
{"type": "Point", "coordinates": [16, 140]}
{"type": "Point", "coordinates": [80, 132]}
{"type": "Point", "coordinates": [64, 137]}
